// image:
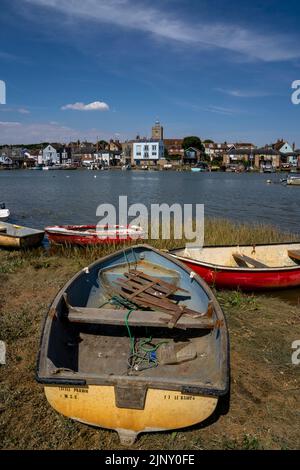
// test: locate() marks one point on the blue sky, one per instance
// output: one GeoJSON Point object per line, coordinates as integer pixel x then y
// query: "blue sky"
{"type": "Point", "coordinates": [109, 68]}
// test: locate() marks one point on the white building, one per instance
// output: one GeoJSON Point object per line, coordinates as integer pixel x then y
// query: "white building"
{"type": "Point", "coordinates": [148, 151]}
{"type": "Point", "coordinates": [50, 155]}
{"type": "Point", "coordinates": [55, 155]}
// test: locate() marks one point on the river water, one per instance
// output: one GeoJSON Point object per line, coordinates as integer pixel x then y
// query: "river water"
{"type": "Point", "coordinates": [40, 198]}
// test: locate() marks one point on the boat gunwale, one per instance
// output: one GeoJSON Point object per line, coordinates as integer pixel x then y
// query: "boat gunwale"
{"type": "Point", "coordinates": [196, 390]}
{"type": "Point", "coordinates": [220, 267]}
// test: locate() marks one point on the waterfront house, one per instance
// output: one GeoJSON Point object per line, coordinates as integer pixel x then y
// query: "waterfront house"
{"type": "Point", "coordinates": [174, 147]}
{"type": "Point", "coordinates": [127, 151]}
{"type": "Point", "coordinates": [49, 155]}
{"type": "Point", "coordinates": [108, 157]}
{"type": "Point", "coordinates": [147, 152]}
{"type": "Point", "coordinates": [56, 154]}
{"type": "Point", "coordinates": [288, 154]}
{"type": "Point", "coordinates": [266, 157]}
{"type": "Point", "coordinates": [216, 151]}
{"type": "Point", "coordinates": [238, 156]}
{"type": "Point", "coordinates": [12, 157]}
{"type": "Point", "coordinates": [5, 161]}
{"type": "Point", "coordinates": [191, 155]}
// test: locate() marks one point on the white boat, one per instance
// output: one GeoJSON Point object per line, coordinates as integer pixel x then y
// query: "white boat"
{"type": "Point", "coordinates": [4, 213]}
{"type": "Point", "coordinates": [293, 180]}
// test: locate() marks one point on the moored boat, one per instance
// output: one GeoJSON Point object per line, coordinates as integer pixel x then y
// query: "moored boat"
{"type": "Point", "coordinates": [251, 268]}
{"type": "Point", "coordinates": [4, 212]}
{"type": "Point", "coordinates": [92, 234]}
{"type": "Point", "coordinates": [293, 180]}
{"type": "Point", "coordinates": [16, 236]}
{"type": "Point", "coordinates": [135, 342]}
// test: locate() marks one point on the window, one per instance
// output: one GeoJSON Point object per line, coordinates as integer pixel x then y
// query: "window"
{"type": "Point", "coordinates": [146, 148]}
{"type": "Point", "coordinates": [154, 148]}
{"type": "Point", "coordinates": [146, 155]}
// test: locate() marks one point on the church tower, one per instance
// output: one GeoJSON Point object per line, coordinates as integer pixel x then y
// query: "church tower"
{"type": "Point", "coordinates": [157, 131]}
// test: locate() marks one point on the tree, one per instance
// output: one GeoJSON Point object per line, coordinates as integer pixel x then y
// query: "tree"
{"type": "Point", "coordinates": [102, 144]}
{"type": "Point", "coordinates": [208, 141]}
{"type": "Point", "coordinates": [193, 141]}
{"type": "Point", "coordinates": [166, 153]}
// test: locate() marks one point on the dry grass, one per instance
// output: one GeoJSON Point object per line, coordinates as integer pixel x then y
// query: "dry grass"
{"type": "Point", "coordinates": [264, 409]}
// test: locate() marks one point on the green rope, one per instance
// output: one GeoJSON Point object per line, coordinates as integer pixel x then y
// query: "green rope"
{"type": "Point", "coordinates": [129, 331]}
{"type": "Point", "coordinates": [154, 348]}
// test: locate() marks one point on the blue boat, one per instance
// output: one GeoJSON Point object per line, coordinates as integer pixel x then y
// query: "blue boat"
{"type": "Point", "coordinates": [135, 342]}
{"type": "Point", "coordinates": [201, 166]}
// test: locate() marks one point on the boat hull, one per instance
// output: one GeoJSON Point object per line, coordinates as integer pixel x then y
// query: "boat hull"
{"type": "Point", "coordinates": [83, 238]}
{"type": "Point", "coordinates": [4, 215]}
{"type": "Point", "coordinates": [164, 409]}
{"type": "Point", "coordinates": [223, 277]}
{"type": "Point", "coordinates": [16, 237]}
{"type": "Point", "coordinates": [293, 182]}
{"type": "Point", "coordinates": [247, 281]}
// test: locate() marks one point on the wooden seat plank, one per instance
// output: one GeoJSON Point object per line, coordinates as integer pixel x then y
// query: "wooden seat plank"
{"type": "Point", "coordinates": [107, 316]}
{"type": "Point", "coordinates": [244, 261]}
{"type": "Point", "coordinates": [294, 254]}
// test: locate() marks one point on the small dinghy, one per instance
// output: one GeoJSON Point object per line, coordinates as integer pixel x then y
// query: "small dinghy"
{"type": "Point", "coordinates": [136, 342]}
{"type": "Point", "coordinates": [4, 213]}
{"type": "Point", "coordinates": [293, 180]}
{"type": "Point", "coordinates": [16, 236]}
{"type": "Point", "coordinates": [92, 234]}
{"type": "Point", "coordinates": [250, 268]}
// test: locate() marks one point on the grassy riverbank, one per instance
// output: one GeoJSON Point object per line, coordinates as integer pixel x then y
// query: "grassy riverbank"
{"type": "Point", "coordinates": [263, 411]}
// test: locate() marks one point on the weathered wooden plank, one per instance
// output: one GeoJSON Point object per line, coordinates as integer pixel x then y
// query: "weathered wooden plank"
{"type": "Point", "coordinates": [107, 316]}
{"type": "Point", "coordinates": [244, 261]}
{"type": "Point", "coordinates": [139, 280]}
{"type": "Point", "coordinates": [294, 254]}
{"type": "Point", "coordinates": [159, 281]}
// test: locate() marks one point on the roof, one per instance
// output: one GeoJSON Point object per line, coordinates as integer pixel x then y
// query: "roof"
{"type": "Point", "coordinates": [193, 149]}
{"type": "Point", "coordinates": [266, 151]}
{"type": "Point", "coordinates": [279, 144]}
{"type": "Point", "coordinates": [242, 151]}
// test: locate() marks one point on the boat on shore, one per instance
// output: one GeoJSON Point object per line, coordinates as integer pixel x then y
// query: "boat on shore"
{"type": "Point", "coordinates": [249, 268]}
{"type": "Point", "coordinates": [18, 237]}
{"type": "Point", "coordinates": [135, 342]}
{"type": "Point", "coordinates": [92, 234]}
{"type": "Point", "coordinates": [4, 212]}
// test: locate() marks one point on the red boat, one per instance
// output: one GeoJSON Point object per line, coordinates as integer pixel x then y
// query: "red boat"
{"type": "Point", "coordinates": [249, 268]}
{"type": "Point", "coordinates": [92, 234]}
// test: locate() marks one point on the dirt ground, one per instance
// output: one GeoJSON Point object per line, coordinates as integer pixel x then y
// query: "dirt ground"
{"type": "Point", "coordinates": [263, 411]}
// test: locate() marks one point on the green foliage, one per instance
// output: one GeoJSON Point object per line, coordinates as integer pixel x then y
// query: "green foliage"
{"type": "Point", "coordinates": [193, 141]}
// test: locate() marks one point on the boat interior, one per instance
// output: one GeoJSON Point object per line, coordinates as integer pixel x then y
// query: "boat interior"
{"type": "Point", "coordinates": [250, 257]}
{"type": "Point", "coordinates": [100, 331]}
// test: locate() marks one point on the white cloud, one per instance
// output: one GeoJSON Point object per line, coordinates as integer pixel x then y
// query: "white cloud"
{"type": "Point", "coordinates": [9, 124]}
{"type": "Point", "coordinates": [137, 16]}
{"type": "Point", "coordinates": [243, 93]}
{"type": "Point", "coordinates": [23, 111]}
{"type": "Point", "coordinates": [35, 132]}
{"type": "Point", "coordinates": [95, 106]}
{"type": "Point", "coordinates": [222, 110]}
